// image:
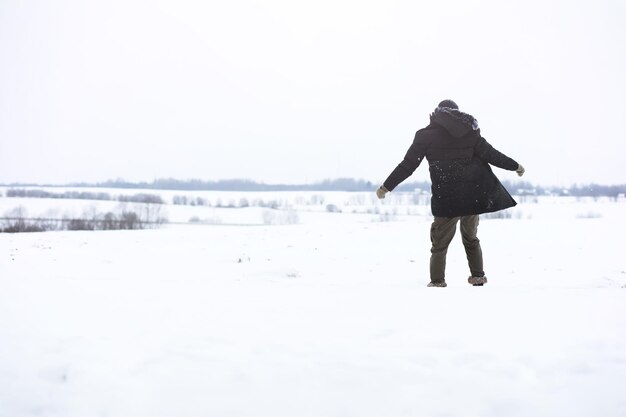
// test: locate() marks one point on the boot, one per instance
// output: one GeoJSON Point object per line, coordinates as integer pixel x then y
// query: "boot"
{"type": "Point", "coordinates": [477, 281]}
{"type": "Point", "coordinates": [437, 284]}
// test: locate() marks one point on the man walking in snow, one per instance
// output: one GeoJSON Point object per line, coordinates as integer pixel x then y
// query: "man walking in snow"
{"type": "Point", "coordinates": [463, 184]}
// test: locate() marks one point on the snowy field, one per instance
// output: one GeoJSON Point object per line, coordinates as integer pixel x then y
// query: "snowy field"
{"type": "Point", "coordinates": [302, 311]}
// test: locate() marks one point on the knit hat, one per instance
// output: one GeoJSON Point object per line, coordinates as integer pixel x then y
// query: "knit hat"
{"type": "Point", "coordinates": [449, 104]}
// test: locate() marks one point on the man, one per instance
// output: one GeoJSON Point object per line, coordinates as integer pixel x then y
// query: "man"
{"type": "Point", "coordinates": [463, 185]}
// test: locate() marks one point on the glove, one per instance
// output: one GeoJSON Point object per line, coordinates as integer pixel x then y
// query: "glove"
{"type": "Point", "coordinates": [520, 170]}
{"type": "Point", "coordinates": [380, 193]}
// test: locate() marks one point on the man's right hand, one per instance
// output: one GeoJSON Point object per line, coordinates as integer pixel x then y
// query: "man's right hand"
{"type": "Point", "coordinates": [520, 170]}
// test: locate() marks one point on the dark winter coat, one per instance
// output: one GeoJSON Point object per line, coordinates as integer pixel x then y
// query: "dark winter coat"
{"type": "Point", "coordinates": [459, 157]}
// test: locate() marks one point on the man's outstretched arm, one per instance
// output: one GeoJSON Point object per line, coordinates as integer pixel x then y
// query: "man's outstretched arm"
{"type": "Point", "coordinates": [405, 169]}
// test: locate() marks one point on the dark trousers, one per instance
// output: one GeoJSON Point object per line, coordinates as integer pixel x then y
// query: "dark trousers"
{"type": "Point", "coordinates": [441, 233]}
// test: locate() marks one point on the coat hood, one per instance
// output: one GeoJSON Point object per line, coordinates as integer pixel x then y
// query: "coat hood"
{"type": "Point", "coordinates": [454, 121]}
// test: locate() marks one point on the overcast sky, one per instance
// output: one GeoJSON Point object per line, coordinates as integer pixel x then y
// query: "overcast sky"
{"type": "Point", "coordinates": [286, 91]}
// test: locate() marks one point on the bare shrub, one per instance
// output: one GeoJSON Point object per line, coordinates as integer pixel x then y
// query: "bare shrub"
{"type": "Point", "coordinates": [80, 224]}
{"type": "Point", "coordinates": [502, 214]}
{"type": "Point", "coordinates": [22, 228]}
{"type": "Point", "coordinates": [179, 200]}
{"type": "Point", "coordinates": [129, 220]}
{"type": "Point", "coordinates": [280, 217]}
{"type": "Point", "coordinates": [332, 208]}
{"type": "Point", "coordinates": [207, 220]}
{"type": "Point", "coordinates": [385, 216]}
{"type": "Point", "coordinates": [589, 215]}
{"type": "Point", "coordinates": [141, 198]}
{"type": "Point", "coordinates": [317, 199]}
{"type": "Point", "coordinates": [110, 222]}
{"type": "Point", "coordinates": [272, 204]}
{"type": "Point", "coordinates": [16, 221]}
{"type": "Point", "coordinates": [152, 215]}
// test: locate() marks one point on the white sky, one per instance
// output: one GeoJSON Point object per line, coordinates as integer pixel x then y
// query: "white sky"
{"type": "Point", "coordinates": [287, 91]}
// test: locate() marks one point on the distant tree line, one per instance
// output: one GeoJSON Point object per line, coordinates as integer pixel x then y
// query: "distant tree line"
{"type": "Point", "coordinates": [77, 195]}
{"type": "Point", "coordinates": [527, 188]}
{"type": "Point", "coordinates": [596, 190]}
{"type": "Point", "coordinates": [340, 184]}
{"type": "Point", "coordinates": [80, 195]}
{"type": "Point", "coordinates": [588, 190]}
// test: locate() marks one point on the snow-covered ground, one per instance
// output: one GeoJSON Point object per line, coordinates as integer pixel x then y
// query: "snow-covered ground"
{"type": "Point", "coordinates": [327, 314]}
